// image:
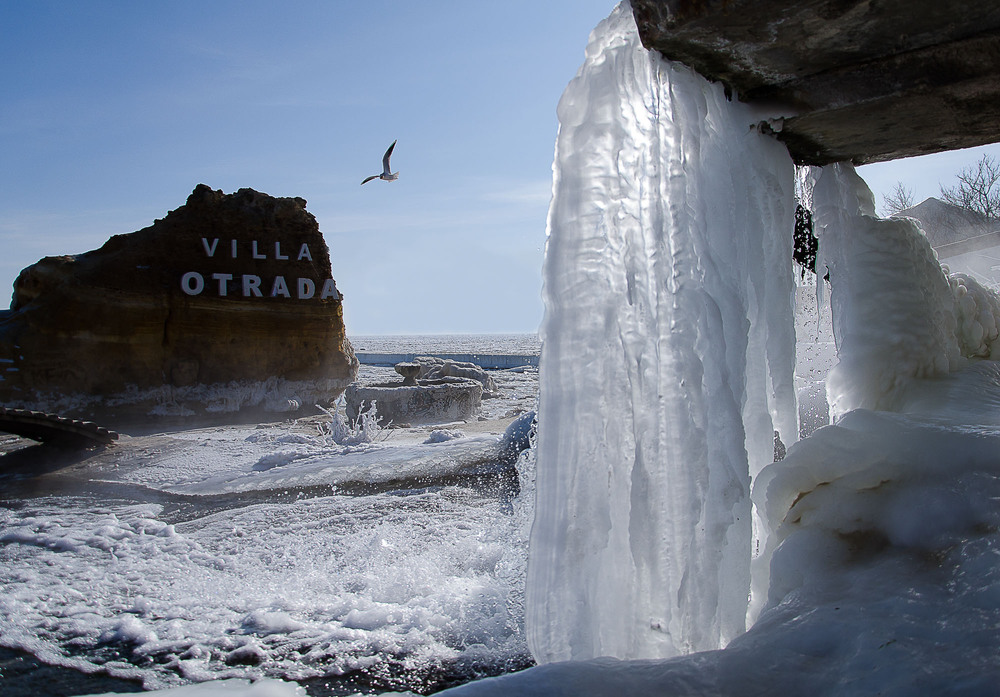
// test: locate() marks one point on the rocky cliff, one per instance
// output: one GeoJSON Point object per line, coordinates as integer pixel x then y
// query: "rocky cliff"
{"type": "Point", "coordinates": [227, 303]}
{"type": "Point", "coordinates": [855, 80]}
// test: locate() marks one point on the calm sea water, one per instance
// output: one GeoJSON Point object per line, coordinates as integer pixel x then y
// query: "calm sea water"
{"type": "Point", "coordinates": [514, 344]}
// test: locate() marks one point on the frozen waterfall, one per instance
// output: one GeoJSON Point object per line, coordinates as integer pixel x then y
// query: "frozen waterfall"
{"type": "Point", "coordinates": [667, 359]}
{"type": "Point", "coordinates": [870, 554]}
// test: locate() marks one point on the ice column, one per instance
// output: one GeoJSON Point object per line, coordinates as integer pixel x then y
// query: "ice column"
{"type": "Point", "coordinates": [890, 298]}
{"type": "Point", "coordinates": [667, 358]}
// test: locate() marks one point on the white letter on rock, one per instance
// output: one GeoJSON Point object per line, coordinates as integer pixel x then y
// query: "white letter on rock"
{"type": "Point", "coordinates": [251, 284]}
{"type": "Point", "coordinates": [280, 287]}
{"type": "Point", "coordinates": [192, 283]}
{"type": "Point", "coordinates": [304, 253]}
{"type": "Point", "coordinates": [329, 290]}
{"type": "Point", "coordinates": [210, 251]}
{"type": "Point", "coordinates": [306, 288]}
{"type": "Point", "coordinates": [253, 249]}
{"type": "Point", "coordinates": [277, 251]}
{"type": "Point", "coordinates": [223, 279]}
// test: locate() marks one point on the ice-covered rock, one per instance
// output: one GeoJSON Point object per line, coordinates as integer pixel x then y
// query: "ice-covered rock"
{"type": "Point", "coordinates": [437, 401]}
{"type": "Point", "coordinates": [432, 367]}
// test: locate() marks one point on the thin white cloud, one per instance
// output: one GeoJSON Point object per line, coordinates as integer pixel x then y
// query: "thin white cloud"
{"type": "Point", "coordinates": [530, 193]}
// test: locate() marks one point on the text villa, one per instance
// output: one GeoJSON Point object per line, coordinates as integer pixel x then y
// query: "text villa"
{"type": "Point", "coordinates": [252, 285]}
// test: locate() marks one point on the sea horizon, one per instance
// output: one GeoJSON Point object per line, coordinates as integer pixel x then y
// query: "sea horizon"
{"type": "Point", "coordinates": [500, 343]}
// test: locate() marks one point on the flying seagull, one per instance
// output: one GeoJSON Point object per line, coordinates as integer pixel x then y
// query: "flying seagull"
{"type": "Point", "coordinates": [386, 174]}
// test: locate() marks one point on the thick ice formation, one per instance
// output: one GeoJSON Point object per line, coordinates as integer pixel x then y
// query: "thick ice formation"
{"type": "Point", "coordinates": [880, 534]}
{"type": "Point", "coordinates": [885, 578]}
{"type": "Point", "coordinates": [881, 531]}
{"type": "Point", "coordinates": [917, 326]}
{"type": "Point", "coordinates": [667, 360]}
{"type": "Point", "coordinates": [891, 297]}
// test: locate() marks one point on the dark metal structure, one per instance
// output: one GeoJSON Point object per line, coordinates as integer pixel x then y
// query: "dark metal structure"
{"type": "Point", "coordinates": [50, 428]}
{"type": "Point", "coordinates": [864, 80]}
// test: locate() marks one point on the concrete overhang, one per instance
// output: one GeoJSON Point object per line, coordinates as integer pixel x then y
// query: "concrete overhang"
{"type": "Point", "coordinates": [865, 80]}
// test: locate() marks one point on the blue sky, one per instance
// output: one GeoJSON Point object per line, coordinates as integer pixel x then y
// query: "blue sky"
{"type": "Point", "coordinates": [112, 112]}
{"type": "Point", "coordinates": [925, 175]}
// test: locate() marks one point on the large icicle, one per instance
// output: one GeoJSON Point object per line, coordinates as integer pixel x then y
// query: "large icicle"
{"type": "Point", "coordinates": [668, 351]}
{"type": "Point", "coordinates": [892, 298]}
{"type": "Point", "coordinates": [870, 261]}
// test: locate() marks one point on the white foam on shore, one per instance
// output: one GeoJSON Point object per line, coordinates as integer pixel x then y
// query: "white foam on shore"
{"type": "Point", "coordinates": [303, 589]}
{"type": "Point", "coordinates": [205, 586]}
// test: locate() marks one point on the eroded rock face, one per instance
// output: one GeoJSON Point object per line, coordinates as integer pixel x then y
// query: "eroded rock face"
{"type": "Point", "coordinates": [227, 303]}
{"type": "Point", "coordinates": [856, 80]}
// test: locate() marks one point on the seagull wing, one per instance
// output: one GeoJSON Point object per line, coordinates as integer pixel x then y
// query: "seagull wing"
{"type": "Point", "coordinates": [368, 179]}
{"type": "Point", "coordinates": [385, 158]}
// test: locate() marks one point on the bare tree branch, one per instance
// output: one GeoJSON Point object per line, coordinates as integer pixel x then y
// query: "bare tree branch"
{"type": "Point", "coordinates": [897, 200]}
{"type": "Point", "coordinates": [978, 189]}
